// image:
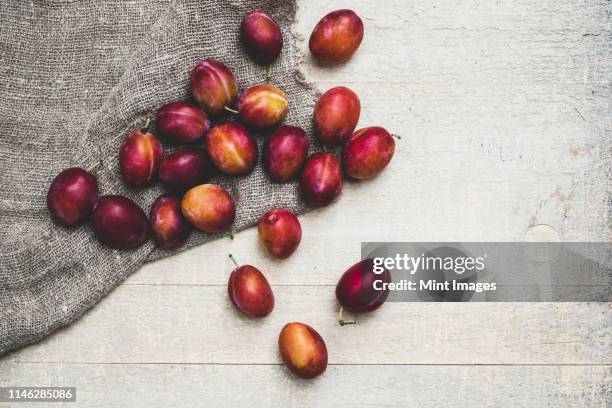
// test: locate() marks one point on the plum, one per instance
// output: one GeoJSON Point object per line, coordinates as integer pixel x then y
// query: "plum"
{"type": "Point", "coordinates": [250, 291]}
{"type": "Point", "coordinates": [185, 168]}
{"type": "Point", "coordinates": [302, 350]}
{"type": "Point", "coordinates": [321, 180]}
{"type": "Point", "coordinates": [119, 222]}
{"type": "Point", "coordinates": [285, 153]}
{"type": "Point", "coordinates": [139, 158]}
{"type": "Point", "coordinates": [182, 123]}
{"type": "Point", "coordinates": [261, 37]}
{"type": "Point", "coordinates": [336, 115]}
{"type": "Point", "coordinates": [209, 208]}
{"type": "Point", "coordinates": [169, 226]}
{"type": "Point", "coordinates": [213, 86]}
{"type": "Point", "coordinates": [231, 148]}
{"type": "Point", "coordinates": [262, 106]}
{"type": "Point", "coordinates": [367, 152]}
{"type": "Point", "coordinates": [336, 37]}
{"type": "Point", "coordinates": [280, 232]}
{"type": "Point", "coordinates": [355, 289]}
{"type": "Point", "coordinates": [72, 195]}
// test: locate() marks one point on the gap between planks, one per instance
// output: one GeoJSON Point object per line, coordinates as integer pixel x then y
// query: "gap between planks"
{"type": "Point", "coordinates": [329, 365]}
{"type": "Point", "coordinates": [333, 285]}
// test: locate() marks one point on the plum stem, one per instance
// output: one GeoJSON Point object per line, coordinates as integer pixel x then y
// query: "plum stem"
{"type": "Point", "coordinates": [230, 110]}
{"type": "Point", "coordinates": [269, 73]}
{"type": "Point", "coordinates": [233, 260]}
{"type": "Point", "coordinates": [146, 126]}
{"type": "Point", "coordinates": [94, 166]}
{"type": "Point", "coordinates": [231, 234]}
{"type": "Point", "coordinates": [341, 320]}
{"type": "Point", "coordinates": [396, 136]}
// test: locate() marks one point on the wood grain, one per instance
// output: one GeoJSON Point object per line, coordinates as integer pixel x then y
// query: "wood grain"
{"type": "Point", "coordinates": [198, 324]}
{"type": "Point", "coordinates": [171, 385]}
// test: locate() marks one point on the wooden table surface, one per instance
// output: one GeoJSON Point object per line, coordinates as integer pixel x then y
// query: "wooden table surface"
{"type": "Point", "coordinates": [503, 109]}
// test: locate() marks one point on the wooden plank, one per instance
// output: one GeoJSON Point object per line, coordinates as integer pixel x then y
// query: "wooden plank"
{"type": "Point", "coordinates": [198, 324]}
{"type": "Point", "coordinates": [115, 385]}
{"type": "Point", "coordinates": [455, 42]}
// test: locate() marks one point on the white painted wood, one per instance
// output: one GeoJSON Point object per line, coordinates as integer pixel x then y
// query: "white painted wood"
{"type": "Point", "coordinates": [503, 107]}
{"type": "Point", "coordinates": [154, 385]}
{"type": "Point", "coordinates": [198, 324]}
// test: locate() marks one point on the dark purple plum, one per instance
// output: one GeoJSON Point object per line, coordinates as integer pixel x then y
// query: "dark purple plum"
{"type": "Point", "coordinates": [182, 123]}
{"type": "Point", "coordinates": [169, 226]}
{"type": "Point", "coordinates": [321, 181]}
{"type": "Point", "coordinates": [119, 222]}
{"type": "Point", "coordinates": [185, 168]}
{"type": "Point", "coordinates": [261, 37]}
{"type": "Point", "coordinates": [285, 153]}
{"type": "Point", "coordinates": [72, 195]}
{"type": "Point", "coordinates": [355, 289]}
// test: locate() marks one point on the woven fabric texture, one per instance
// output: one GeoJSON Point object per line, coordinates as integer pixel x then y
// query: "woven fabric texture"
{"type": "Point", "coordinates": [76, 78]}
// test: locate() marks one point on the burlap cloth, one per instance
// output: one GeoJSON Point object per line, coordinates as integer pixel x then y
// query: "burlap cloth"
{"type": "Point", "coordinates": [75, 77]}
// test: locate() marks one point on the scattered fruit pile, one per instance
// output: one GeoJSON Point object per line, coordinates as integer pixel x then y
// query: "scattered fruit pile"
{"type": "Point", "coordinates": [228, 147]}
